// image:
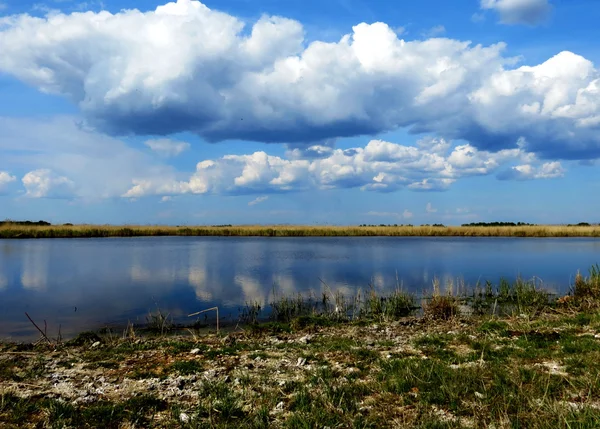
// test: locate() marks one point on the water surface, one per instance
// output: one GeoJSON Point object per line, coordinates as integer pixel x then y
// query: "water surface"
{"type": "Point", "coordinates": [91, 283]}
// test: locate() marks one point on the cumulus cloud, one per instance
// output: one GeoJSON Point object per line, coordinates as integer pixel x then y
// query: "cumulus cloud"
{"type": "Point", "coordinates": [548, 170]}
{"type": "Point", "coordinates": [258, 200]}
{"type": "Point", "coordinates": [321, 149]}
{"type": "Point", "coordinates": [266, 83]}
{"type": "Point", "coordinates": [530, 12]}
{"type": "Point", "coordinates": [100, 166]}
{"type": "Point", "coordinates": [45, 183]}
{"type": "Point", "coordinates": [5, 180]}
{"type": "Point", "coordinates": [431, 165]}
{"type": "Point", "coordinates": [167, 147]}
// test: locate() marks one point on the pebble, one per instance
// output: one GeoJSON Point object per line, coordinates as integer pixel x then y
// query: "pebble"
{"type": "Point", "coordinates": [305, 339]}
{"type": "Point", "coordinates": [211, 373]}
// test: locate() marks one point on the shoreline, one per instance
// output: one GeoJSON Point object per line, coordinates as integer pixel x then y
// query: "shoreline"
{"type": "Point", "coordinates": [92, 231]}
{"type": "Point", "coordinates": [533, 360]}
{"type": "Point", "coordinates": [459, 372]}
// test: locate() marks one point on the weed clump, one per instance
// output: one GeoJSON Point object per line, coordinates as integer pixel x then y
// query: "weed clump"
{"type": "Point", "coordinates": [586, 291]}
{"type": "Point", "coordinates": [85, 338]}
{"type": "Point", "coordinates": [441, 306]}
{"type": "Point", "coordinates": [285, 309]}
{"type": "Point", "coordinates": [393, 307]}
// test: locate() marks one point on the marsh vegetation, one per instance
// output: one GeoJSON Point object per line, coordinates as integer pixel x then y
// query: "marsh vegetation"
{"type": "Point", "coordinates": [18, 230]}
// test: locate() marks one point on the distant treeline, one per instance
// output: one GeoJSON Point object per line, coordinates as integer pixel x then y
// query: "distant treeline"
{"type": "Point", "coordinates": [498, 224]}
{"type": "Point", "coordinates": [25, 223]}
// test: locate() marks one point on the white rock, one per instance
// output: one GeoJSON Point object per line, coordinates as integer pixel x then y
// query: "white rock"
{"type": "Point", "coordinates": [195, 351]}
{"type": "Point", "coordinates": [305, 340]}
{"type": "Point", "coordinates": [184, 418]}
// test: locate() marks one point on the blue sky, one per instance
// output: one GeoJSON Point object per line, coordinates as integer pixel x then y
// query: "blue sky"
{"type": "Point", "coordinates": [311, 112]}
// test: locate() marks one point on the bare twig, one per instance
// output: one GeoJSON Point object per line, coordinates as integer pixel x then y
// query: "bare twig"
{"type": "Point", "coordinates": [38, 328]}
{"type": "Point", "coordinates": [204, 311]}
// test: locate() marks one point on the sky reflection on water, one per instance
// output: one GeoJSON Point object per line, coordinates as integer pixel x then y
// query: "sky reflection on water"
{"type": "Point", "coordinates": [90, 283]}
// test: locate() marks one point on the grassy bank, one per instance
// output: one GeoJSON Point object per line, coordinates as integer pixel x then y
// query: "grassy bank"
{"type": "Point", "coordinates": [535, 367]}
{"type": "Point", "coordinates": [85, 231]}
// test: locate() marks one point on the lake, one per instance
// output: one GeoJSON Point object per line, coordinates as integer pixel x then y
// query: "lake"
{"type": "Point", "coordinates": [84, 284]}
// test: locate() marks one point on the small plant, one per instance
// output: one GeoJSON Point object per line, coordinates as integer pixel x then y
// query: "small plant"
{"type": "Point", "coordinates": [586, 291]}
{"type": "Point", "coordinates": [398, 304]}
{"type": "Point", "coordinates": [158, 322]}
{"type": "Point", "coordinates": [285, 309]}
{"type": "Point", "coordinates": [441, 306]}
{"type": "Point", "coordinates": [249, 315]}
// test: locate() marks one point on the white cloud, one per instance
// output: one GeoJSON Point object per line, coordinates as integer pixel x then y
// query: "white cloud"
{"type": "Point", "coordinates": [406, 214]}
{"type": "Point", "coordinates": [302, 151]}
{"type": "Point", "coordinates": [400, 30]}
{"type": "Point", "coordinates": [101, 166]}
{"type": "Point", "coordinates": [268, 84]}
{"type": "Point", "coordinates": [44, 183]}
{"type": "Point", "coordinates": [167, 147]}
{"type": "Point", "coordinates": [431, 165]}
{"type": "Point", "coordinates": [5, 180]}
{"type": "Point", "coordinates": [166, 199]}
{"type": "Point", "coordinates": [478, 17]}
{"type": "Point", "coordinates": [548, 170]}
{"type": "Point", "coordinates": [530, 12]}
{"type": "Point", "coordinates": [436, 31]}
{"type": "Point", "coordinates": [429, 208]}
{"type": "Point", "coordinates": [258, 200]}
{"type": "Point", "coordinates": [383, 214]}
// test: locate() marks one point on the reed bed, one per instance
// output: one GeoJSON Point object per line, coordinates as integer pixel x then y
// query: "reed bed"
{"type": "Point", "coordinates": [11, 231]}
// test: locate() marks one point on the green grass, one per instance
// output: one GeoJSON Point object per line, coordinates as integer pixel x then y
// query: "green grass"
{"type": "Point", "coordinates": [137, 411]}
{"type": "Point", "coordinates": [187, 367]}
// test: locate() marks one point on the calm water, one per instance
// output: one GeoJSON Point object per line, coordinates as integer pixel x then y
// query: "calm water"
{"type": "Point", "coordinates": [91, 283]}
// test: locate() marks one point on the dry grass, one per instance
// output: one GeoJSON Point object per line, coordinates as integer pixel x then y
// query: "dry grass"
{"type": "Point", "coordinates": [83, 231]}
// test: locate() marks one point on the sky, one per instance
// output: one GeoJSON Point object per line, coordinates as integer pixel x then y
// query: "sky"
{"type": "Point", "coordinates": [299, 111]}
